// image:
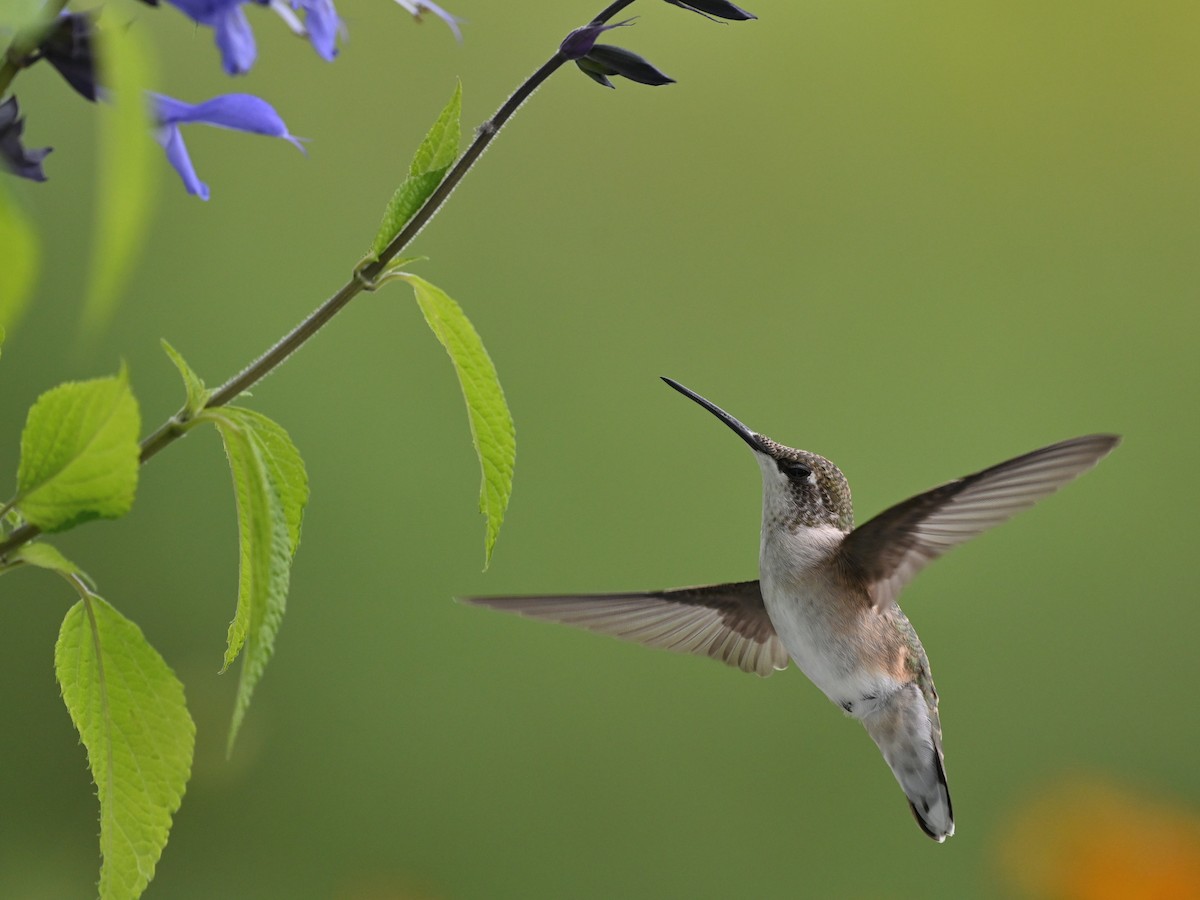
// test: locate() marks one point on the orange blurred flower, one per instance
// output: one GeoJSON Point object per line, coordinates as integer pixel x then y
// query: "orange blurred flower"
{"type": "Point", "coordinates": [1088, 839]}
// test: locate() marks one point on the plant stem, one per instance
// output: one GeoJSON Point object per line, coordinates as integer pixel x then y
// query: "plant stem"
{"type": "Point", "coordinates": [611, 11]}
{"type": "Point", "coordinates": [20, 536]}
{"type": "Point", "coordinates": [363, 279]}
{"type": "Point", "coordinates": [26, 42]}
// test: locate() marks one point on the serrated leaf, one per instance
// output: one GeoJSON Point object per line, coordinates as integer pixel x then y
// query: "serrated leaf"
{"type": "Point", "coordinates": [433, 158]}
{"type": "Point", "coordinates": [256, 511]}
{"type": "Point", "coordinates": [440, 147]}
{"type": "Point", "coordinates": [285, 467]}
{"type": "Point", "coordinates": [197, 393]}
{"type": "Point", "coordinates": [129, 710]}
{"type": "Point", "coordinates": [22, 251]}
{"type": "Point", "coordinates": [127, 172]}
{"type": "Point", "coordinates": [79, 454]}
{"type": "Point", "coordinates": [265, 554]}
{"type": "Point", "coordinates": [492, 428]}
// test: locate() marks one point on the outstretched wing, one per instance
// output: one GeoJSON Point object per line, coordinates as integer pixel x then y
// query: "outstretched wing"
{"type": "Point", "coordinates": [728, 622]}
{"type": "Point", "coordinates": [891, 548]}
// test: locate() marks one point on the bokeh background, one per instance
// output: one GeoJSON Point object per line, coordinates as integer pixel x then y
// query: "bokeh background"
{"type": "Point", "coordinates": [917, 238]}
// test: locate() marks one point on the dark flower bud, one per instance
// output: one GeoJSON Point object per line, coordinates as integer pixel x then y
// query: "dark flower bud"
{"type": "Point", "coordinates": [579, 43]}
{"type": "Point", "coordinates": [69, 49]}
{"type": "Point", "coordinates": [604, 60]}
{"type": "Point", "coordinates": [13, 156]}
{"type": "Point", "coordinates": [714, 9]}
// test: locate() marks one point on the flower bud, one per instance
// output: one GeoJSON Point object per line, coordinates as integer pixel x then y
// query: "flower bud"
{"type": "Point", "coordinates": [69, 49]}
{"type": "Point", "coordinates": [714, 9]}
{"type": "Point", "coordinates": [604, 59]}
{"type": "Point", "coordinates": [579, 43]}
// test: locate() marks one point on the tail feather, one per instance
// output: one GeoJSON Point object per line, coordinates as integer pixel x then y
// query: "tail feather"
{"type": "Point", "coordinates": [936, 818]}
{"type": "Point", "coordinates": [911, 746]}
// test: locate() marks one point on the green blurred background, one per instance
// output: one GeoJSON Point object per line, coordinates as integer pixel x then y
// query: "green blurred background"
{"type": "Point", "coordinates": [917, 238]}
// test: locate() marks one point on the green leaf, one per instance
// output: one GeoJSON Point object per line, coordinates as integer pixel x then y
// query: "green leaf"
{"type": "Point", "coordinates": [257, 512]}
{"type": "Point", "coordinates": [79, 454]}
{"type": "Point", "coordinates": [404, 204]}
{"type": "Point", "coordinates": [429, 166]}
{"type": "Point", "coordinates": [21, 253]}
{"type": "Point", "coordinates": [491, 423]}
{"type": "Point", "coordinates": [47, 556]}
{"type": "Point", "coordinates": [440, 147]}
{"type": "Point", "coordinates": [127, 171]}
{"type": "Point", "coordinates": [197, 393]}
{"type": "Point", "coordinates": [402, 261]}
{"type": "Point", "coordinates": [129, 710]}
{"type": "Point", "coordinates": [271, 489]}
{"type": "Point", "coordinates": [285, 467]}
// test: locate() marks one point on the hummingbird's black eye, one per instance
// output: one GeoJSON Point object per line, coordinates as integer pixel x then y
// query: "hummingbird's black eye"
{"type": "Point", "coordinates": [793, 468]}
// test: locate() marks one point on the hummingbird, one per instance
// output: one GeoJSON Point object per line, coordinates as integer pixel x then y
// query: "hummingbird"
{"type": "Point", "coordinates": [827, 591]}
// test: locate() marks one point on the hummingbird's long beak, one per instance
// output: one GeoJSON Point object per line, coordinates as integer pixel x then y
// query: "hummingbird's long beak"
{"type": "Point", "coordinates": [750, 437]}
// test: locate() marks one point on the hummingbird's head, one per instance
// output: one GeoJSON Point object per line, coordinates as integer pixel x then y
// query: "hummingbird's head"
{"type": "Point", "coordinates": [799, 488]}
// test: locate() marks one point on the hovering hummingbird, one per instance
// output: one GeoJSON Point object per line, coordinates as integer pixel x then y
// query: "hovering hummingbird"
{"type": "Point", "coordinates": [827, 594]}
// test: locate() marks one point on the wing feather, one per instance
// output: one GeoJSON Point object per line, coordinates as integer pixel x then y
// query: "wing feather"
{"type": "Point", "coordinates": [728, 622]}
{"type": "Point", "coordinates": [893, 547]}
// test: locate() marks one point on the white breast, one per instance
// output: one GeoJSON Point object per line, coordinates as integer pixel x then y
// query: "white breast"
{"type": "Point", "coordinates": [811, 622]}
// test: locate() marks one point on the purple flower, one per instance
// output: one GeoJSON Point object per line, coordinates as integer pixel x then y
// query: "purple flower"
{"type": "Point", "coordinates": [230, 27]}
{"type": "Point", "coordinates": [239, 112]}
{"type": "Point", "coordinates": [322, 25]}
{"type": "Point", "coordinates": [235, 40]}
{"type": "Point", "coordinates": [13, 154]}
{"type": "Point", "coordinates": [416, 7]}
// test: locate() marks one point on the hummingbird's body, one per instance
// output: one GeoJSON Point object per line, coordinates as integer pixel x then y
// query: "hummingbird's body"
{"type": "Point", "coordinates": [827, 593]}
{"type": "Point", "coordinates": [868, 662]}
